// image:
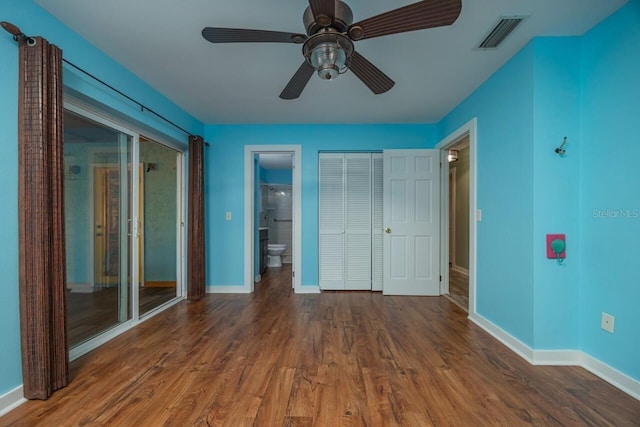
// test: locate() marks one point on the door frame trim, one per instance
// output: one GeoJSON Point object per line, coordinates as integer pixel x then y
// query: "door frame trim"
{"type": "Point", "coordinates": [452, 216]}
{"type": "Point", "coordinates": [249, 237]}
{"type": "Point", "coordinates": [468, 129]}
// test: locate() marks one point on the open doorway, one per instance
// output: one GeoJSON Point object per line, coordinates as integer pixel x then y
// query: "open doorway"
{"type": "Point", "coordinates": [458, 225]}
{"type": "Point", "coordinates": [458, 160]}
{"type": "Point", "coordinates": [274, 208]}
{"type": "Point", "coordinates": [272, 213]}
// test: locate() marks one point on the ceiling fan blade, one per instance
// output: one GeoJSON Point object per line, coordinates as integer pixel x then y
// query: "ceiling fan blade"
{"type": "Point", "coordinates": [370, 75]}
{"type": "Point", "coordinates": [298, 82]}
{"type": "Point", "coordinates": [239, 35]}
{"type": "Point", "coordinates": [324, 11]}
{"type": "Point", "coordinates": [417, 16]}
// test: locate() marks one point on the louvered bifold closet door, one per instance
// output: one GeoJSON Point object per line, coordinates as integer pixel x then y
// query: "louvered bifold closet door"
{"type": "Point", "coordinates": [331, 221]}
{"type": "Point", "coordinates": [377, 225]}
{"type": "Point", "coordinates": [358, 221]}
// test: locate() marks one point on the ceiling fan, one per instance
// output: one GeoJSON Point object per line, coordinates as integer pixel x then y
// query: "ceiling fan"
{"type": "Point", "coordinates": [327, 45]}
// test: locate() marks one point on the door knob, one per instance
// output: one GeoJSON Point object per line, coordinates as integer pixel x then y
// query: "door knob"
{"type": "Point", "coordinates": [387, 230]}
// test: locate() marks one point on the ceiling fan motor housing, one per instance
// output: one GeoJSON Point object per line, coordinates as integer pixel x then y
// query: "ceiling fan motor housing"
{"type": "Point", "coordinates": [343, 18]}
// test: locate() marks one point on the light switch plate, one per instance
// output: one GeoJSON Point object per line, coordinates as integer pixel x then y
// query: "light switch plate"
{"type": "Point", "coordinates": [478, 215]}
{"type": "Point", "coordinates": [227, 216]}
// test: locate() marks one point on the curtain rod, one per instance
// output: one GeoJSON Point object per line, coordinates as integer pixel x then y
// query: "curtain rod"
{"type": "Point", "coordinates": [19, 35]}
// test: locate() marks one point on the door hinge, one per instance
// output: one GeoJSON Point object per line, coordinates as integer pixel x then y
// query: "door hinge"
{"type": "Point", "coordinates": [441, 277]}
{"type": "Point", "coordinates": [293, 274]}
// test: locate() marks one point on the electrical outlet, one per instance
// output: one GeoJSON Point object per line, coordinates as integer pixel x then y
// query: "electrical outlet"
{"type": "Point", "coordinates": [227, 216]}
{"type": "Point", "coordinates": [607, 322]}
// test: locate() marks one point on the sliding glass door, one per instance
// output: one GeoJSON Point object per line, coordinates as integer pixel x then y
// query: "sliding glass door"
{"type": "Point", "coordinates": [159, 213]}
{"type": "Point", "coordinates": [123, 219]}
{"type": "Point", "coordinates": [98, 208]}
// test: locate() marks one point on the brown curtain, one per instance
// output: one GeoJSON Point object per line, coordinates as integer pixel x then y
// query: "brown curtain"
{"type": "Point", "coordinates": [195, 255]}
{"type": "Point", "coordinates": [45, 366]}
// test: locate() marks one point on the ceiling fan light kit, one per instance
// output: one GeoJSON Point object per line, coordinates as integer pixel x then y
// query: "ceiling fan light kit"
{"type": "Point", "coordinates": [328, 46]}
{"type": "Point", "coordinates": [328, 53]}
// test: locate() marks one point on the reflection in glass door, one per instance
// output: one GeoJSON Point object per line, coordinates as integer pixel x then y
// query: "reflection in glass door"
{"type": "Point", "coordinates": [123, 218]}
{"type": "Point", "coordinates": [159, 213]}
{"type": "Point", "coordinates": [98, 188]}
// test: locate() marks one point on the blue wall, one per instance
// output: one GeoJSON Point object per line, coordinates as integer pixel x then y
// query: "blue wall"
{"type": "Point", "coordinates": [556, 190]}
{"type": "Point", "coordinates": [610, 148]}
{"type": "Point", "coordinates": [585, 88]}
{"type": "Point", "coordinates": [503, 106]}
{"type": "Point", "coordinates": [10, 363]}
{"type": "Point", "coordinates": [33, 20]}
{"type": "Point", "coordinates": [225, 182]}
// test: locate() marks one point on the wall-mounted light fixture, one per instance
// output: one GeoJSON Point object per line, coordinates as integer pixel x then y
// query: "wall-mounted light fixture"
{"type": "Point", "coordinates": [151, 167]}
{"type": "Point", "coordinates": [452, 156]}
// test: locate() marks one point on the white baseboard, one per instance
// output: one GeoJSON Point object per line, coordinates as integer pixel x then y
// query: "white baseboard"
{"type": "Point", "coordinates": [561, 358]}
{"type": "Point", "coordinates": [610, 375]}
{"type": "Point", "coordinates": [80, 288]}
{"type": "Point", "coordinates": [556, 357]}
{"type": "Point", "coordinates": [11, 400]}
{"type": "Point", "coordinates": [515, 345]}
{"type": "Point", "coordinates": [308, 290]}
{"type": "Point", "coordinates": [228, 290]}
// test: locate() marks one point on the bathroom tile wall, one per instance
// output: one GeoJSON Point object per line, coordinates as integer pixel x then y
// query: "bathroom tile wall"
{"type": "Point", "coordinates": [277, 215]}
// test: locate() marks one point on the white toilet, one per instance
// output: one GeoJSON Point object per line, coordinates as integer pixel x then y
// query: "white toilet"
{"type": "Point", "coordinates": [275, 251]}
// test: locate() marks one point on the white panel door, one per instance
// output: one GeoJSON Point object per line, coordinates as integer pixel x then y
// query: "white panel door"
{"type": "Point", "coordinates": [411, 192]}
{"type": "Point", "coordinates": [357, 221]}
{"type": "Point", "coordinates": [331, 221]}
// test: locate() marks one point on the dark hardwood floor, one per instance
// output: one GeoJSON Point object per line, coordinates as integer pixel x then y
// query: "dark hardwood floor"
{"type": "Point", "coordinates": [459, 289]}
{"type": "Point", "coordinates": [275, 358]}
{"type": "Point", "coordinates": [89, 314]}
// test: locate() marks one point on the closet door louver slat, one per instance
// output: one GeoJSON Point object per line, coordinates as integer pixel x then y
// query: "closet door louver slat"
{"type": "Point", "coordinates": [331, 221]}
{"type": "Point", "coordinates": [347, 208]}
{"type": "Point", "coordinates": [358, 221]}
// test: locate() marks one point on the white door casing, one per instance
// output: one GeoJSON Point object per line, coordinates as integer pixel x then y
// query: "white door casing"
{"type": "Point", "coordinates": [411, 193]}
{"type": "Point", "coordinates": [377, 223]}
{"type": "Point", "coordinates": [249, 238]}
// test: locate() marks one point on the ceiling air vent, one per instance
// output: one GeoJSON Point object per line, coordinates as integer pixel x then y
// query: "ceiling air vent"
{"type": "Point", "coordinates": [501, 31]}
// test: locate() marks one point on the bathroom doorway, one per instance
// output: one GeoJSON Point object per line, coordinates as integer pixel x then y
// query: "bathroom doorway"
{"type": "Point", "coordinates": [274, 205]}
{"type": "Point", "coordinates": [272, 211]}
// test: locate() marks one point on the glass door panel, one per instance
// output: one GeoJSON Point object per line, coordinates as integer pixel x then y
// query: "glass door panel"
{"type": "Point", "coordinates": [98, 178]}
{"type": "Point", "coordinates": [159, 213]}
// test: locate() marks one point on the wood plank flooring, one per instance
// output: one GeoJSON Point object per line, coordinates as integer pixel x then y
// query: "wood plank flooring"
{"type": "Point", "coordinates": [459, 289]}
{"type": "Point", "coordinates": [89, 314]}
{"type": "Point", "coordinates": [275, 358]}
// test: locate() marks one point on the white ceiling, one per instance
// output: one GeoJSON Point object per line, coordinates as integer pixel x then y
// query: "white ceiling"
{"type": "Point", "coordinates": [434, 69]}
{"type": "Point", "coordinates": [276, 160]}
